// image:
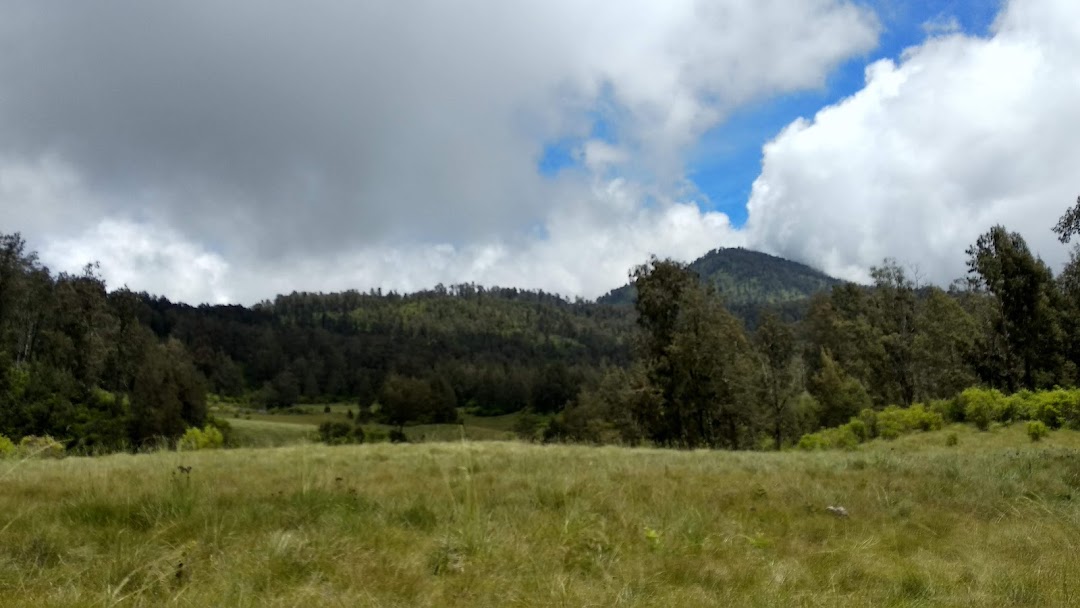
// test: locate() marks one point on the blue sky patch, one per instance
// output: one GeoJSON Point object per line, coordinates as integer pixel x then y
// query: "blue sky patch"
{"type": "Point", "coordinates": [727, 159]}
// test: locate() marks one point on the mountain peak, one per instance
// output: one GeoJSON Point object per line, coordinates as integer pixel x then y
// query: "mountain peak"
{"type": "Point", "coordinates": [746, 278]}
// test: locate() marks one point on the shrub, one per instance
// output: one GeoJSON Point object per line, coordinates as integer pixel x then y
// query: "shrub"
{"type": "Point", "coordinates": [7, 447]}
{"type": "Point", "coordinates": [842, 437]}
{"type": "Point", "coordinates": [1037, 429]}
{"type": "Point", "coordinates": [43, 447]}
{"type": "Point", "coordinates": [375, 435]}
{"type": "Point", "coordinates": [1055, 408]}
{"type": "Point", "coordinates": [981, 405]}
{"type": "Point", "coordinates": [859, 429]}
{"type": "Point", "coordinates": [208, 438]}
{"type": "Point", "coordinates": [811, 442]}
{"type": "Point", "coordinates": [869, 419]}
{"type": "Point", "coordinates": [950, 410]}
{"type": "Point", "coordinates": [894, 421]}
{"type": "Point", "coordinates": [889, 426]}
{"type": "Point", "coordinates": [228, 438]}
{"type": "Point", "coordinates": [339, 433]}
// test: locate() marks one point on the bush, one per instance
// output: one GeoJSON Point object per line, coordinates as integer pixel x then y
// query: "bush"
{"type": "Point", "coordinates": [870, 420]}
{"type": "Point", "coordinates": [950, 410]}
{"type": "Point", "coordinates": [375, 435]}
{"type": "Point", "coordinates": [7, 447]}
{"type": "Point", "coordinates": [842, 437]}
{"type": "Point", "coordinates": [208, 438]}
{"type": "Point", "coordinates": [1055, 408]}
{"type": "Point", "coordinates": [228, 438]}
{"type": "Point", "coordinates": [981, 406]}
{"type": "Point", "coordinates": [811, 442]}
{"type": "Point", "coordinates": [1037, 429]}
{"type": "Point", "coordinates": [894, 421]}
{"type": "Point", "coordinates": [339, 433]}
{"type": "Point", "coordinates": [859, 429]}
{"type": "Point", "coordinates": [43, 447]}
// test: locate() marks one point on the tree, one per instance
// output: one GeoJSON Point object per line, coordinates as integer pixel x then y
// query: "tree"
{"type": "Point", "coordinates": [944, 347]}
{"type": "Point", "coordinates": [839, 396]}
{"type": "Point", "coordinates": [1025, 318]}
{"type": "Point", "coordinates": [168, 397]}
{"type": "Point", "coordinates": [404, 400]}
{"type": "Point", "coordinates": [1069, 224]}
{"type": "Point", "coordinates": [774, 343]}
{"type": "Point", "coordinates": [697, 357]}
{"type": "Point", "coordinates": [894, 317]}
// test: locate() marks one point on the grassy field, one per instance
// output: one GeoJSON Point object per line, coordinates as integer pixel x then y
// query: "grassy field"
{"type": "Point", "coordinates": [275, 430]}
{"type": "Point", "coordinates": [993, 521]}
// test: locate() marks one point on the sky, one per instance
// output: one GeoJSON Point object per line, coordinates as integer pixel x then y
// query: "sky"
{"type": "Point", "coordinates": [227, 152]}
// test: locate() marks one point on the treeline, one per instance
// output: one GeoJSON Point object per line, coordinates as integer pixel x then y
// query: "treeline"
{"type": "Point", "coordinates": [77, 364]}
{"type": "Point", "coordinates": [101, 371]}
{"type": "Point", "coordinates": [415, 358]}
{"type": "Point", "coordinates": [699, 379]}
{"type": "Point", "coordinates": [105, 371]}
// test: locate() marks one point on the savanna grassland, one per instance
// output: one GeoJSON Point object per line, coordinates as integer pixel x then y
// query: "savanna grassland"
{"type": "Point", "coordinates": [991, 521]}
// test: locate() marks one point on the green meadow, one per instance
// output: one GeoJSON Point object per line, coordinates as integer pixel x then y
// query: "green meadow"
{"type": "Point", "coordinates": [988, 519]}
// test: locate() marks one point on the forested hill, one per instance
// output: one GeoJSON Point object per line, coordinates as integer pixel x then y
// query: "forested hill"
{"type": "Point", "coordinates": [747, 279]}
{"type": "Point", "coordinates": [492, 348]}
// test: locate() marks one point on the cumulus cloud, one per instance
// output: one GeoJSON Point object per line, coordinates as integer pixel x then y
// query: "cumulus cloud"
{"type": "Point", "coordinates": [275, 145]}
{"type": "Point", "coordinates": [960, 134]}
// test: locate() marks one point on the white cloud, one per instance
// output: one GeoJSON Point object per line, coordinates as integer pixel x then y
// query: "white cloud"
{"type": "Point", "coordinates": [146, 258]}
{"type": "Point", "coordinates": [963, 133]}
{"type": "Point", "coordinates": [353, 144]}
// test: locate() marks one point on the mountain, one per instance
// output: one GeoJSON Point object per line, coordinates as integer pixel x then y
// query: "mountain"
{"type": "Point", "coordinates": [748, 280]}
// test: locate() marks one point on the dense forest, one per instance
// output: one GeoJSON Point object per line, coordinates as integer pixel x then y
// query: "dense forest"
{"type": "Point", "coordinates": [688, 358]}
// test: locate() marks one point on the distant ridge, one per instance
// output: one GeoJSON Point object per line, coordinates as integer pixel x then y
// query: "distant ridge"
{"type": "Point", "coordinates": [747, 278]}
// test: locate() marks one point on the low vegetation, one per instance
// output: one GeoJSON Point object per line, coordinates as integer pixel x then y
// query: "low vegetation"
{"type": "Point", "coordinates": [989, 521]}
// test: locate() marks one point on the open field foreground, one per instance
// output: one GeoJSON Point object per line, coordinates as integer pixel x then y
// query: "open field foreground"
{"type": "Point", "coordinates": [993, 521]}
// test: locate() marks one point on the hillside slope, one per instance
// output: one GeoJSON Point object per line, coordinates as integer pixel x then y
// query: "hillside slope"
{"type": "Point", "coordinates": [747, 278]}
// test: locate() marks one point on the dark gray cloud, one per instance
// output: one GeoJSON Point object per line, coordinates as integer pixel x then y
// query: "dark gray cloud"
{"type": "Point", "coordinates": [346, 131]}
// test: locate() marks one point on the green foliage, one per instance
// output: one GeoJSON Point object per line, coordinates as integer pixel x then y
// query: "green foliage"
{"type": "Point", "coordinates": [840, 395]}
{"type": "Point", "coordinates": [983, 406]}
{"type": "Point", "coordinates": [528, 426]}
{"type": "Point", "coordinates": [375, 435]}
{"type": "Point", "coordinates": [43, 446]}
{"type": "Point", "coordinates": [340, 433]}
{"type": "Point", "coordinates": [1025, 349]}
{"type": "Point", "coordinates": [7, 447]}
{"type": "Point", "coordinates": [1037, 429]}
{"type": "Point", "coordinates": [207, 438]}
{"type": "Point", "coordinates": [893, 421]}
{"type": "Point", "coordinates": [950, 410]}
{"type": "Point", "coordinates": [699, 363]}
{"type": "Point", "coordinates": [845, 437]}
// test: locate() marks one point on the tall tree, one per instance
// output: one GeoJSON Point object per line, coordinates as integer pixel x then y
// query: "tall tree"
{"type": "Point", "coordinates": [894, 316]}
{"type": "Point", "coordinates": [774, 343]}
{"type": "Point", "coordinates": [1025, 319]}
{"type": "Point", "coordinates": [698, 359]}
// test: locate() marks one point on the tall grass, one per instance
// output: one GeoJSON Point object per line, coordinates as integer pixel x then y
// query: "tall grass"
{"type": "Point", "coordinates": [991, 521]}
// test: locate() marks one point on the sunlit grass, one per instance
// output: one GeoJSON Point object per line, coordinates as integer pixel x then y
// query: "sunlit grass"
{"type": "Point", "coordinates": [992, 521]}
